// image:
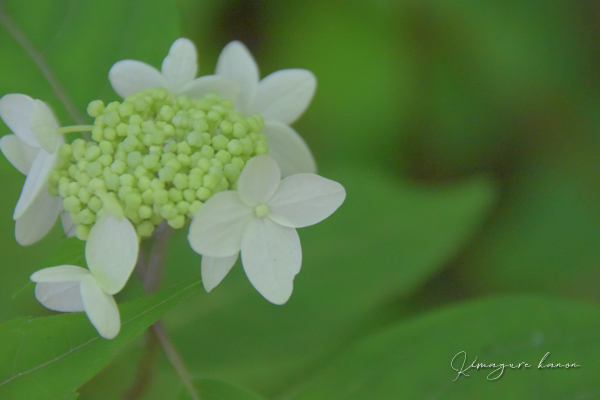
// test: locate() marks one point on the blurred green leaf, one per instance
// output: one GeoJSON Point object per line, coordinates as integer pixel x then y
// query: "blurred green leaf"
{"type": "Point", "coordinates": [413, 360]}
{"type": "Point", "coordinates": [209, 389]}
{"type": "Point", "coordinates": [364, 76]}
{"type": "Point", "coordinates": [358, 265]}
{"type": "Point", "coordinates": [80, 41]}
{"type": "Point", "coordinates": [55, 355]}
{"type": "Point", "coordinates": [545, 235]}
{"type": "Point", "coordinates": [494, 77]}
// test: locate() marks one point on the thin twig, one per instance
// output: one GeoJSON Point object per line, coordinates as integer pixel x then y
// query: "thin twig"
{"type": "Point", "coordinates": [175, 359]}
{"type": "Point", "coordinates": [150, 271]}
{"type": "Point", "coordinates": [144, 370]}
{"type": "Point", "coordinates": [41, 63]}
{"type": "Point", "coordinates": [152, 277]}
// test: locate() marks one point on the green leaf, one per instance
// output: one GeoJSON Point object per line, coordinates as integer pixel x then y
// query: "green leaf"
{"type": "Point", "coordinates": [380, 246]}
{"type": "Point", "coordinates": [364, 76]}
{"type": "Point", "coordinates": [545, 237]}
{"type": "Point", "coordinates": [413, 360]}
{"type": "Point", "coordinates": [80, 41]}
{"type": "Point", "coordinates": [209, 389]}
{"type": "Point", "coordinates": [53, 356]}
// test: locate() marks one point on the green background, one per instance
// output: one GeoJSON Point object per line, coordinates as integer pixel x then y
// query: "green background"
{"type": "Point", "coordinates": [466, 134]}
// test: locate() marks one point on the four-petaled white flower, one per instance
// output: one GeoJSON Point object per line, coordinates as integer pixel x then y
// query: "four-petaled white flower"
{"type": "Point", "coordinates": [178, 70]}
{"type": "Point", "coordinates": [111, 253]}
{"type": "Point", "coordinates": [33, 150]}
{"type": "Point", "coordinates": [259, 219]}
{"type": "Point", "coordinates": [280, 98]}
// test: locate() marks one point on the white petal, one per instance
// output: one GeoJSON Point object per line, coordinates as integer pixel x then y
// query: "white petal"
{"type": "Point", "coordinates": [38, 219]}
{"type": "Point", "coordinates": [284, 95]}
{"type": "Point", "coordinates": [131, 76]}
{"type": "Point", "coordinates": [18, 153]}
{"type": "Point", "coordinates": [15, 110]}
{"type": "Point", "coordinates": [111, 252]}
{"type": "Point", "coordinates": [100, 308]}
{"type": "Point", "coordinates": [216, 229]}
{"type": "Point", "coordinates": [271, 255]}
{"type": "Point", "coordinates": [62, 273]}
{"type": "Point", "coordinates": [60, 296]}
{"type": "Point", "coordinates": [259, 180]}
{"type": "Point", "coordinates": [305, 199]}
{"type": "Point", "coordinates": [214, 269]}
{"type": "Point", "coordinates": [289, 150]}
{"type": "Point", "coordinates": [68, 226]}
{"type": "Point", "coordinates": [236, 63]}
{"type": "Point", "coordinates": [44, 126]}
{"type": "Point", "coordinates": [36, 181]}
{"type": "Point", "coordinates": [180, 65]}
{"type": "Point", "coordinates": [200, 87]}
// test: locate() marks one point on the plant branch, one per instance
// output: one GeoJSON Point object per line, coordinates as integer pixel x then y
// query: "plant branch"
{"type": "Point", "coordinates": [175, 359]}
{"type": "Point", "coordinates": [153, 274]}
{"type": "Point", "coordinates": [39, 60]}
{"type": "Point", "coordinates": [151, 271]}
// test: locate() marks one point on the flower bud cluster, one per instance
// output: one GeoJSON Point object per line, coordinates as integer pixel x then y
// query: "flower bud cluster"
{"type": "Point", "coordinates": [157, 156]}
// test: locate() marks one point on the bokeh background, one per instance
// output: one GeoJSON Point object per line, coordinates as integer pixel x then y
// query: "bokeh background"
{"type": "Point", "coordinates": [467, 136]}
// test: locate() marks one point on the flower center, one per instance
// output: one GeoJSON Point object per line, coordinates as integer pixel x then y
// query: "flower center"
{"type": "Point", "coordinates": [157, 156]}
{"type": "Point", "coordinates": [262, 210]}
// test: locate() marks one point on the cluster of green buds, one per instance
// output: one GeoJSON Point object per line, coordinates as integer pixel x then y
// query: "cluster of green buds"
{"type": "Point", "coordinates": [157, 156]}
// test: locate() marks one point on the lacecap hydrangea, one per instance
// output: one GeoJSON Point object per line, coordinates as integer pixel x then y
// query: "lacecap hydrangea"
{"type": "Point", "coordinates": [171, 145]}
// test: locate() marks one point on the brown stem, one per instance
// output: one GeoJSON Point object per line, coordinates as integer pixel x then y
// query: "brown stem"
{"type": "Point", "coordinates": [151, 271]}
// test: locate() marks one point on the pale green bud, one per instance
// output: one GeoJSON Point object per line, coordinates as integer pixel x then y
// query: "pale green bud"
{"type": "Point", "coordinates": [220, 142]}
{"type": "Point", "coordinates": [86, 216]}
{"type": "Point", "coordinates": [118, 167]}
{"type": "Point", "coordinates": [73, 189]}
{"type": "Point", "coordinates": [145, 211]}
{"type": "Point", "coordinates": [95, 108]}
{"type": "Point", "coordinates": [105, 160]}
{"type": "Point", "coordinates": [207, 152]}
{"type": "Point", "coordinates": [112, 118]}
{"type": "Point", "coordinates": [121, 129]}
{"type": "Point", "coordinates": [134, 159]}
{"type": "Point", "coordinates": [65, 151]}
{"type": "Point", "coordinates": [110, 133]}
{"type": "Point", "coordinates": [148, 196]}
{"type": "Point", "coordinates": [175, 195]}
{"type": "Point", "coordinates": [194, 207]}
{"type": "Point", "coordinates": [203, 193]}
{"type": "Point", "coordinates": [93, 169]}
{"type": "Point", "coordinates": [72, 204]}
{"type": "Point", "coordinates": [82, 232]}
{"type": "Point", "coordinates": [161, 197]}
{"type": "Point", "coordinates": [177, 223]}
{"type": "Point", "coordinates": [168, 211]}
{"type": "Point", "coordinates": [143, 182]}
{"type": "Point", "coordinates": [145, 229]}
{"type": "Point", "coordinates": [84, 195]}
{"type": "Point", "coordinates": [135, 119]}
{"type": "Point", "coordinates": [95, 204]}
{"type": "Point", "coordinates": [133, 201]}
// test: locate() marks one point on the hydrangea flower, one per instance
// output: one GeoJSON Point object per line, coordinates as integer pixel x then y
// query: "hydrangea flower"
{"type": "Point", "coordinates": [259, 219]}
{"type": "Point", "coordinates": [111, 253]}
{"type": "Point", "coordinates": [178, 70]}
{"type": "Point", "coordinates": [32, 149]}
{"type": "Point", "coordinates": [280, 98]}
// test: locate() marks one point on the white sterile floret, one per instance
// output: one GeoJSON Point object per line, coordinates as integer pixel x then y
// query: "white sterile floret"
{"type": "Point", "coordinates": [32, 149]}
{"type": "Point", "coordinates": [111, 253]}
{"type": "Point", "coordinates": [179, 68]}
{"type": "Point", "coordinates": [280, 98]}
{"type": "Point", "coordinates": [259, 219]}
